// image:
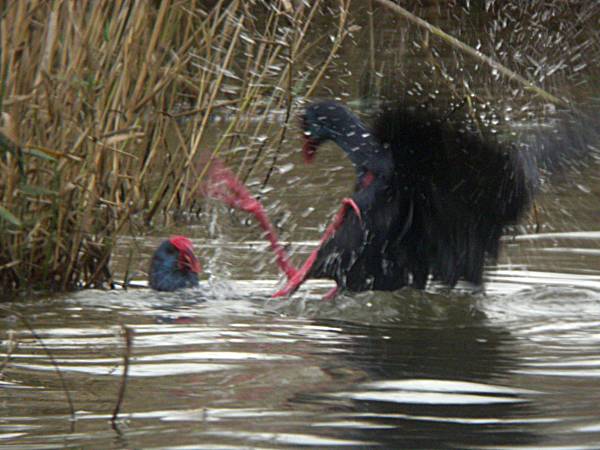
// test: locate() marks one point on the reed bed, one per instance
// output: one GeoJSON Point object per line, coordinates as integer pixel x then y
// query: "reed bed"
{"type": "Point", "coordinates": [105, 110]}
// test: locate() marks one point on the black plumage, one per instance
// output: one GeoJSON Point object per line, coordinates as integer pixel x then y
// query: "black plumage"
{"type": "Point", "coordinates": [434, 198]}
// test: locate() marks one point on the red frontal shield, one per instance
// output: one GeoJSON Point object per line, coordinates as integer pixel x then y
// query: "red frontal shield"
{"type": "Point", "coordinates": [187, 260]}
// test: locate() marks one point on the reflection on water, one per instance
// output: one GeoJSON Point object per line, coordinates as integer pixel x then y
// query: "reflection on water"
{"type": "Point", "coordinates": [225, 366]}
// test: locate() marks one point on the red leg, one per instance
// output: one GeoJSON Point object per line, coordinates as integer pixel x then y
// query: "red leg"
{"type": "Point", "coordinates": [331, 293]}
{"type": "Point", "coordinates": [224, 186]}
{"type": "Point", "coordinates": [351, 203]}
{"type": "Point", "coordinates": [300, 277]}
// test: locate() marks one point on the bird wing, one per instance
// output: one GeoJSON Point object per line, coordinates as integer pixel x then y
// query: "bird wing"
{"type": "Point", "coordinates": [360, 255]}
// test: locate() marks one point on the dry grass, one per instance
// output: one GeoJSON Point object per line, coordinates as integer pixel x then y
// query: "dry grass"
{"type": "Point", "coordinates": [105, 108]}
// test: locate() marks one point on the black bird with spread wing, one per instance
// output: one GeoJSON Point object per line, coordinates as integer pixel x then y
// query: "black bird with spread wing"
{"type": "Point", "coordinates": [431, 198]}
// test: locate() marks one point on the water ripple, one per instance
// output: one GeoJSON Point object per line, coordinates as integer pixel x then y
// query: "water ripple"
{"type": "Point", "coordinates": [439, 392]}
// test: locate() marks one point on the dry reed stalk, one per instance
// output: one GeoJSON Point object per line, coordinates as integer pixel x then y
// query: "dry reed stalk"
{"type": "Point", "coordinates": [467, 49]}
{"type": "Point", "coordinates": [128, 334]}
{"type": "Point", "coordinates": [274, 102]}
{"type": "Point", "coordinates": [111, 105]}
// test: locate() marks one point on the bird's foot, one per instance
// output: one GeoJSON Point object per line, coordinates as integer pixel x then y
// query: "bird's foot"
{"type": "Point", "coordinates": [292, 286]}
{"type": "Point", "coordinates": [294, 282]}
{"type": "Point", "coordinates": [224, 186]}
{"type": "Point", "coordinates": [330, 295]}
{"type": "Point", "coordinates": [299, 276]}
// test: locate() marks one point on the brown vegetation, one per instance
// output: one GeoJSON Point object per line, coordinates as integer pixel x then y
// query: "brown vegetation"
{"type": "Point", "coordinates": [105, 107]}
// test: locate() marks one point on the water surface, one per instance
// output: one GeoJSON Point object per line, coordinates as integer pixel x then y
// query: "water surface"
{"type": "Point", "coordinates": [226, 366]}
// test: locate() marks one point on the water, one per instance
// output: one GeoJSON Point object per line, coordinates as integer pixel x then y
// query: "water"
{"type": "Point", "coordinates": [226, 366]}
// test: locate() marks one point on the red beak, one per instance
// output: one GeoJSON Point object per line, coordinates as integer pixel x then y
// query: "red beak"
{"type": "Point", "coordinates": [309, 149]}
{"type": "Point", "coordinates": [188, 261]}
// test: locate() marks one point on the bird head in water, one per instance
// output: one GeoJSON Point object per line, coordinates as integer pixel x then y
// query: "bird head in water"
{"type": "Point", "coordinates": [174, 265]}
